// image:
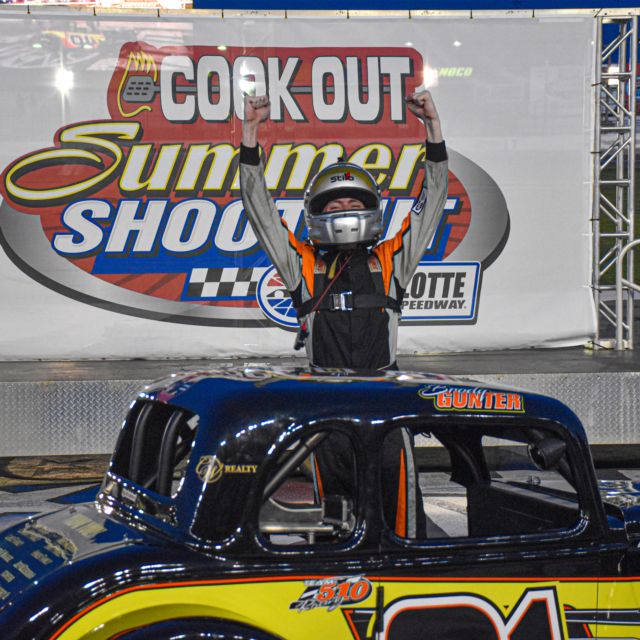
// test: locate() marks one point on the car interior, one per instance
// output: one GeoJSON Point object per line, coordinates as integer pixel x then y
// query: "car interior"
{"type": "Point", "coordinates": [474, 482]}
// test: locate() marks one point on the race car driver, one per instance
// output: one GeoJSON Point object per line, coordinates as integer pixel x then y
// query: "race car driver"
{"type": "Point", "coordinates": [346, 286]}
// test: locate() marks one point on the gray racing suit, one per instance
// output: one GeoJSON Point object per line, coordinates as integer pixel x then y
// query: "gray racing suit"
{"type": "Point", "coordinates": [353, 336]}
{"type": "Point", "coordinates": [346, 334]}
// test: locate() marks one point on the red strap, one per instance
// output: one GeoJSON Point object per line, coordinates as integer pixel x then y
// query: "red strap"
{"type": "Point", "coordinates": [326, 289]}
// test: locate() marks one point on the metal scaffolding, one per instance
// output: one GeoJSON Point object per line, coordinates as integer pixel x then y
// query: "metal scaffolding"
{"type": "Point", "coordinates": [614, 170]}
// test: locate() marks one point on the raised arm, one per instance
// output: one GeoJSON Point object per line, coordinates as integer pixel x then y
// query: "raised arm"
{"type": "Point", "coordinates": [256, 111]}
{"type": "Point", "coordinates": [280, 245]}
{"type": "Point", "coordinates": [401, 254]}
{"type": "Point", "coordinates": [422, 106]}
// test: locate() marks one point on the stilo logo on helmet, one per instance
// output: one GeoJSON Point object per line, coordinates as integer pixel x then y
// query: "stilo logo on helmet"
{"type": "Point", "coordinates": [346, 176]}
{"type": "Point", "coordinates": [343, 228]}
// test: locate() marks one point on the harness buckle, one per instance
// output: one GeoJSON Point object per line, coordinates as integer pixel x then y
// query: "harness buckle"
{"type": "Point", "coordinates": [342, 301]}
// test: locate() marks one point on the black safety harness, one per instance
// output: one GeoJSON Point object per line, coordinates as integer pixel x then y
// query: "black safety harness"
{"type": "Point", "coordinates": [346, 300]}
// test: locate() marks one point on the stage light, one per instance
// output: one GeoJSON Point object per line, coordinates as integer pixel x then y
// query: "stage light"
{"type": "Point", "coordinates": [429, 77]}
{"type": "Point", "coordinates": [247, 81]}
{"type": "Point", "coordinates": [64, 80]}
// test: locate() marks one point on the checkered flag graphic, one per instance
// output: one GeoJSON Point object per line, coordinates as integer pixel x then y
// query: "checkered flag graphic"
{"type": "Point", "coordinates": [223, 282]}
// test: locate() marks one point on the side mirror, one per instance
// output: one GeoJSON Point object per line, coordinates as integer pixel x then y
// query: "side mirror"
{"type": "Point", "coordinates": [547, 453]}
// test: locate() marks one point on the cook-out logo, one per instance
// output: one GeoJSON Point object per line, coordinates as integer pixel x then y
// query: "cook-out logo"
{"type": "Point", "coordinates": [447, 398]}
{"type": "Point", "coordinates": [140, 213]}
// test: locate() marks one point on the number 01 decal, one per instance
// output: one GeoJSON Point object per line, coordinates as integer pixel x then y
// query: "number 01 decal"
{"type": "Point", "coordinates": [535, 617]}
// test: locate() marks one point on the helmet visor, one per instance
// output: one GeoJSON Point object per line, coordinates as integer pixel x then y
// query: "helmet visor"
{"type": "Point", "coordinates": [318, 203]}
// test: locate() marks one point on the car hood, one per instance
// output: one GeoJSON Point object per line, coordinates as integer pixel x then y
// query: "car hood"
{"type": "Point", "coordinates": [36, 547]}
{"type": "Point", "coordinates": [624, 495]}
{"type": "Point", "coordinates": [75, 556]}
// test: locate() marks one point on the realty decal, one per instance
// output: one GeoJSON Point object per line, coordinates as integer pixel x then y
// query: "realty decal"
{"type": "Point", "coordinates": [141, 213]}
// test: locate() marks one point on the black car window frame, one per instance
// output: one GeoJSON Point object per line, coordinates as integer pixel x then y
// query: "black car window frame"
{"type": "Point", "coordinates": [140, 476]}
{"type": "Point", "coordinates": [588, 524]}
{"type": "Point", "coordinates": [264, 485]}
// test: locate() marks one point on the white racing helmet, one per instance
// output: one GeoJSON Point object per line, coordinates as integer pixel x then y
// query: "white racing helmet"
{"type": "Point", "coordinates": [343, 228]}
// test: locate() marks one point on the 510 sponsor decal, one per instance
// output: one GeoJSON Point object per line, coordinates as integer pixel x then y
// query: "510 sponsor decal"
{"type": "Point", "coordinates": [331, 593]}
{"type": "Point", "coordinates": [140, 213]}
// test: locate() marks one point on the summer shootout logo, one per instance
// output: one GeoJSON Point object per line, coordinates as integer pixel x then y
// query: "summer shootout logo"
{"type": "Point", "coordinates": [141, 213]}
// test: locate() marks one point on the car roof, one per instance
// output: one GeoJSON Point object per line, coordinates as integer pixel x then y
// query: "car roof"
{"type": "Point", "coordinates": [248, 415]}
{"type": "Point", "coordinates": [253, 394]}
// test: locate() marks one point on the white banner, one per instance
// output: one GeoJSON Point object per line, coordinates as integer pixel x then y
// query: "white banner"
{"type": "Point", "coordinates": [121, 225]}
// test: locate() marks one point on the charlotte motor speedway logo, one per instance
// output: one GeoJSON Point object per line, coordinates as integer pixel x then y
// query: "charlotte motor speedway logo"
{"type": "Point", "coordinates": [141, 213]}
{"type": "Point", "coordinates": [274, 299]}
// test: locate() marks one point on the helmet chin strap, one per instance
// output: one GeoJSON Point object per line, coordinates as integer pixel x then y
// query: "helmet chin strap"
{"type": "Point", "coordinates": [346, 247]}
{"type": "Point", "coordinates": [338, 247]}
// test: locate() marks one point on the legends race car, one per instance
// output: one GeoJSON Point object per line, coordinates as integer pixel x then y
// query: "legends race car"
{"type": "Point", "coordinates": [215, 519]}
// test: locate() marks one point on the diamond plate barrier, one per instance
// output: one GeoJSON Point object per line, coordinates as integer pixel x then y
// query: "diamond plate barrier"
{"type": "Point", "coordinates": [84, 416]}
{"type": "Point", "coordinates": [608, 404]}
{"type": "Point", "coordinates": [63, 417]}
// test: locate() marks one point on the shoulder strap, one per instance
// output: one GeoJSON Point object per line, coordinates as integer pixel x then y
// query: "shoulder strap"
{"type": "Point", "coordinates": [319, 274]}
{"type": "Point", "coordinates": [348, 301]}
{"type": "Point", "coordinates": [375, 268]}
